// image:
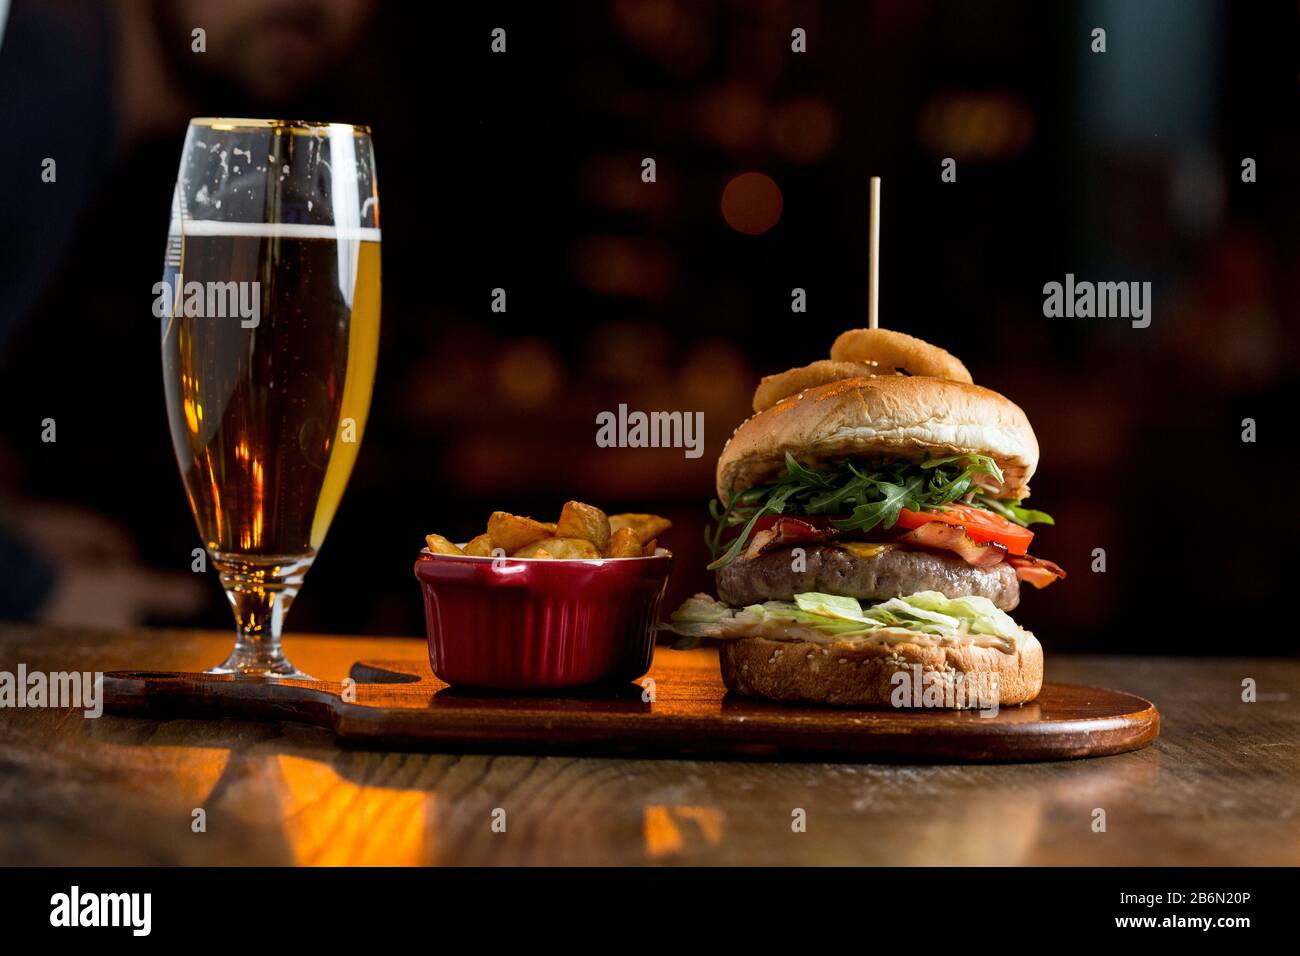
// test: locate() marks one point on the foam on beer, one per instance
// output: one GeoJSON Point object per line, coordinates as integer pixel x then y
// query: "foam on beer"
{"type": "Point", "coordinates": [273, 230]}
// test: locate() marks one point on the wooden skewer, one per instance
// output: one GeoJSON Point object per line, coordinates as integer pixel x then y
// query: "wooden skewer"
{"type": "Point", "coordinates": [873, 253]}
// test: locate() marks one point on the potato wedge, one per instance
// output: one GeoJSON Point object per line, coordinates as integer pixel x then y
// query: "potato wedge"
{"type": "Point", "coordinates": [513, 532]}
{"type": "Point", "coordinates": [578, 520]}
{"type": "Point", "coordinates": [480, 546]}
{"type": "Point", "coordinates": [649, 549]}
{"type": "Point", "coordinates": [647, 527]}
{"type": "Point", "coordinates": [623, 543]}
{"type": "Point", "coordinates": [558, 548]}
{"type": "Point", "coordinates": [440, 545]}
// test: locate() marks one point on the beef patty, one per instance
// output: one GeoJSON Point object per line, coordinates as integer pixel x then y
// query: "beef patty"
{"type": "Point", "coordinates": [891, 572]}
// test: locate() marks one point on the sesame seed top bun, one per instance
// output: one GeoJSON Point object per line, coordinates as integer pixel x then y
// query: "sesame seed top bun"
{"type": "Point", "coordinates": [883, 418]}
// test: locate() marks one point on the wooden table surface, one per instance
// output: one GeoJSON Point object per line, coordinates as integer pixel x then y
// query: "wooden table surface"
{"type": "Point", "coordinates": [1221, 786]}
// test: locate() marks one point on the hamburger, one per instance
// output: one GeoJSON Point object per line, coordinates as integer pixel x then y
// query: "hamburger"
{"type": "Point", "coordinates": [870, 537]}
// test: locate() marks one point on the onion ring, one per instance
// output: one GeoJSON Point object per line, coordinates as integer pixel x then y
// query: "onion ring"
{"type": "Point", "coordinates": [894, 350]}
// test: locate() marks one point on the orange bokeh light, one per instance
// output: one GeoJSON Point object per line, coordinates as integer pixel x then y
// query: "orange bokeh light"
{"type": "Point", "coordinates": [752, 203]}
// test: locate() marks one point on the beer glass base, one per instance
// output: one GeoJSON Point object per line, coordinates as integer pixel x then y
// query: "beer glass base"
{"type": "Point", "coordinates": [260, 590]}
{"type": "Point", "coordinates": [241, 665]}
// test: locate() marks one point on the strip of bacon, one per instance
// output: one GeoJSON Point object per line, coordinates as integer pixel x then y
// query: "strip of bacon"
{"type": "Point", "coordinates": [952, 537]}
{"type": "Point", "coordinates": [1036, 571]}
{"type": "Point", "coordinates": [935, 535]}
{"type": "Point", "coordinates": [786, 532]}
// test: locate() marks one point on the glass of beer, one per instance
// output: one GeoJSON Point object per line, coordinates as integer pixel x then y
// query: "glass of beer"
{"type": "Point", "coordinates": [270, 331]}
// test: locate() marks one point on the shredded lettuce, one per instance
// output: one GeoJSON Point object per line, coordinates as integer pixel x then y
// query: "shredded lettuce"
{"type": "Point", "coordinates": [698, 612]}
{"type": "Point", "coordinates": [833, 616]}
{"type": "Point", "coordinates": [830, 605]}
{"type": "Point", "coordinates": [980, 614]}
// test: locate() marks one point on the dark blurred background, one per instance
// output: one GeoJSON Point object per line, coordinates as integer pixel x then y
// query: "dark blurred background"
{"type": "Point", "coordinates": [522, 171]}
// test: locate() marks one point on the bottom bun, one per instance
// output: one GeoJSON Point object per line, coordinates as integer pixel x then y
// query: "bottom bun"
{"type": "Point", "coordinates": [862, 674]}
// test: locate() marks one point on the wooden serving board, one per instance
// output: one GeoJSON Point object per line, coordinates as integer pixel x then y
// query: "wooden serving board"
{"type": "Point", "coordinates": [400, 704]}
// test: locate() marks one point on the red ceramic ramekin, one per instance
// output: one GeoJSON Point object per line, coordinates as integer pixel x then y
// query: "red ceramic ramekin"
{"type": "Point", "coordinates": [535, 624]}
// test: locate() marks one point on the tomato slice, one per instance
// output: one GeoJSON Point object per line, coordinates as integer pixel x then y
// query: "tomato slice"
{"type": "Point", "coordinates": [980, 525]}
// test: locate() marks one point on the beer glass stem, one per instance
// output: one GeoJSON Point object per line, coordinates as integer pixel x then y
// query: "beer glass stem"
{"type": "Point", "coordinates": [260, 590]}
